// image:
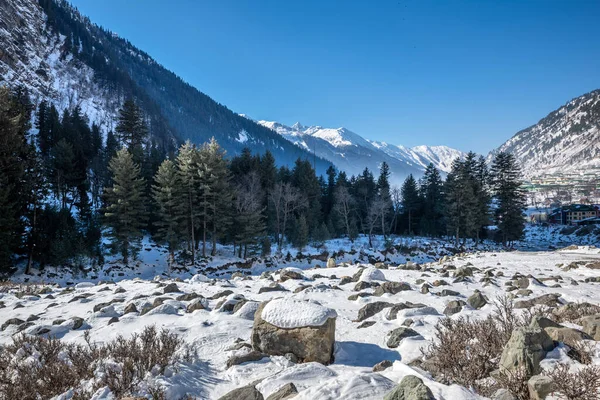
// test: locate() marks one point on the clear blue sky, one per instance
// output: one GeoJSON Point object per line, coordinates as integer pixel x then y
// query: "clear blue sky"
{"type": "Point", "coordinates": [468, 74]}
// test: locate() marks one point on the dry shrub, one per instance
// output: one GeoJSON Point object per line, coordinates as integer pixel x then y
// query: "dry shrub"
{"type": "Point", "coordinates": [574, 311]}
{"type": "Point", "coordinates": [582, 351]}
{"type": "Point", "coordinates": [581, 385]}
{"type": "Point", "coordinates": [467, 351]}
{"type": "Point", "coordinates": [32, 367]}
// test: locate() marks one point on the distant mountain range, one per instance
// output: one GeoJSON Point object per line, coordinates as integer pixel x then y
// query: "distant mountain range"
{"type": "Point", "coordinates": [59, 55]}
{"type": "Point", "coordinates": [566, 141]}
{"type": "Point", "coordinates": [352, 153]}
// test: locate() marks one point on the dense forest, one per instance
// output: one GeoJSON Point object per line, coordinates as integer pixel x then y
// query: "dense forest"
{"type": "Point", "coordinates": [69, 195]}
{"type": "Point", "coordinates": [174, 110]}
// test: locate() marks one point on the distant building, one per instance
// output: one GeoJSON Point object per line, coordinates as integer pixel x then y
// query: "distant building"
{"type": "Point", "coordinates": [573, 214]}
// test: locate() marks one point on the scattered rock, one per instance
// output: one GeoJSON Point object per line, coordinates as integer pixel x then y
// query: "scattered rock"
{"type": "Point", "coordinates": [549, 300]}
{"type": "Point", "coordinates": [238, 359]}
{"type": "Point", "coordinates": [368, 310]}
{"type": "Point", "coordinates": [366, 324]}
{"type": "Point", "coordinates": [287, 391]}
{"type": "Point", "coordinates": [410, 388]}
{"type": "Point", "coordinates": [308, 343]}
{"type": "Point", "coordinates": [244, 393]}
{"type": "Point", "coordinates": [382, 366]}
{"type": "Point", "coordinates": [171, 288]}
{"type": "Point", "coordinates": [540, 386]}
{"type": "Point", "coordinates": [526, 347]}
{"type": "Point", "coordinates": [591, 326]}
{"type": "Point", "coordinates": [476, 300]}
{"type": "Point", "coordinates": [398, 334]}
{"type": "Point", "coordinates": [391, 288]}
{"type": "Point", "coordinates": [454, 307]}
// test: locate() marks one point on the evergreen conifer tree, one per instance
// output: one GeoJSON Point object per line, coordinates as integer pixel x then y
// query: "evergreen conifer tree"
{"type": "Point", "coordinates": [125, 213]}
{"type": "Point", "coordinates": [510, 197]}
{"type": "Point", "coordinates": [411, 201]}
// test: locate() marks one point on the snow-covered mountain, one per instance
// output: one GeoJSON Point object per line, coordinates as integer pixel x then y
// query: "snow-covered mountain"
{"type": "Point", "coordinates": [351, 152]}
{"type": "Point", "coordinates": [566, 141]}
{"type": "Point", "coordinates": [57, 54]}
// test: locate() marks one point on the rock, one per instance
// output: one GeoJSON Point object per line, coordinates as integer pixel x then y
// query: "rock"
{"type": "Point", "coordinates": [463, 272]}
{"type": "Point", "coordinates": [568, 336]}
{"type": "Point", "coordinates": [570, 311]}
{"type": "Point", "coordinates": [453, 307]}
{"type": "Point", "coordinates": [549, 300]}
{"type": "Point", "coordinates": [77, 322]}
{"type": "Point", "coordinates": [361, 285]}
{"type": "Point", "coordinates": [290, 273]}
{"type": "Point", "coordinates": [331, 262]}
{"type": "Point", "coordinates": [113, 320]}
{"type": "Point", "coordinates": [244, 393]}
{"type": "Point", "coordinates": [224, 293]}
{"type": "Point", "coordinates": [345, 280]}
{"type": "Point", "coordinates": [314, 342]}
{"type": "Point", "coordinates": [410, 388]}
{"type": "Point", "coordinates": [119, 290]}
{"type": "Point", "coordinates": [398, 334]}
{"type": "Point", "coordinates": [391, 288]}
{"type": "Point", "coordinates": [171, 288]}
{"type": "Point", "coordinates": [355, 296]}
{"type": "Point", "coordinates": [252, 355]}
{"type": "Point", "coordinates": [591, 325]}
{"type": "Point", "coordinates": [393, 312]}
{"type": "Point", "coordinates": [366, 324]}
{"type": "Point", "coordinates": [368, 310]}
{"type": "Point", "coordinates": [196, 304]}
{"type": "Point", "coordinates": [247, 310]}
{"type": "Point", "coordinates": [448, 292]}
{"type": "Point", "coordinates": [438, 283]}
{"type": "Point", "coordinates": [274, 287]}
{"type": "Point", "coordinates": [476, 300]}
{"type": "Point", "coordinates": [372, 274]}
{"type": "Point", "coordinates": [540, 386]}
{"type": "Point", "coordinates": [522, 282]}
{"type": "Point", "coordinates": [504, 394]}
{"type": "Point", "coordinates": [542, 322]}
{"type": "Point", "coordinates": [188, 296]}
{"type": "Point", "coordinates": [382, 366]}
{"type": "Point", "coordinates": [287, 391]}
{"type": "Point", "coordinates": [524, 292]}
{"type": "Point", "coordinates": [130, 308]}
{"type": "Point", "coordinates": [526, 347]}
{"type": "Point", "coordinates": [11, 321]}
{"type": "Point", "coordinates": [425, 288]}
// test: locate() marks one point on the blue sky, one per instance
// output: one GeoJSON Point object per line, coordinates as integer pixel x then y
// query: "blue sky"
{"type": "Point", "coordinates": [467, 74]}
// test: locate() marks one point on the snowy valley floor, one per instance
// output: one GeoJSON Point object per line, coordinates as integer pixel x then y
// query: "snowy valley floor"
{"type": "Point", "coordinates": [216, 328]}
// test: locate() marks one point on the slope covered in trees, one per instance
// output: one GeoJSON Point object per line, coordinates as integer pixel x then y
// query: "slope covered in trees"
{"type": "Point", "coordinates": [62, 57]}
{"type": "Point", "coordinates": [65, 188]}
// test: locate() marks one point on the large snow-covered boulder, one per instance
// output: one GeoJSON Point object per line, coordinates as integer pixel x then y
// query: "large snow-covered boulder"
{"type": "Point", "coordinates": [372, 274]}
{"type": "Point", "coordinates": [303, 328]}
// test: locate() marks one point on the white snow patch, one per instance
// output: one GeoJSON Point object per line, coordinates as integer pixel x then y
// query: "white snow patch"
{"type": "Point", "coordinates": [289, 313]}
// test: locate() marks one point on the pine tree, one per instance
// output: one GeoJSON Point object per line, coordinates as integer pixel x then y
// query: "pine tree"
{"type": "Point", "coordinates": [131, 130]}
{"type": "Point", "coordinates": [301, 233]}
{"type": "Point", "coordinates": [460, 202]}
{"type": "Point", "coordinates": [433, 207]}
{"type": "Point", "coordinates": [188, 170]}
{"type": "Point", "coordinates": [125, 213]}
{"type": "Point", "coordinates": [167, 196]}
{"type": "Point", "coordinates": [249, 222]}
{"type": "Point", "coordinates": [510, 196]}
{"type": "Point", "coordinates": [216, 193]}
{"type": "Point", "coordinates": [411, 201]}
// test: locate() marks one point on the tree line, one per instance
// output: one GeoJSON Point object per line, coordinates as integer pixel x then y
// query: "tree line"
{"type": "Point", "coordinates": [64, 188]}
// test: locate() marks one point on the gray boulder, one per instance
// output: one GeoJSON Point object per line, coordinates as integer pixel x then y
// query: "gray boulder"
{"type": "Point", "coordinates": [368, 310]}
{"type": "Point", "coordinates": [540, 386]}
{"type": "Point", "coordinates": [307, 343]}
{"type": "Point", "coordinates": [287, 391]}
{"type": "Point", "coordinates": [476, 300]}
{"type": "Point", "coordinates": [526, 347]}
{"type": "Point", "coordinates": [391, 288]}
{"type": "Point", "coordinates": [244, 393]}
{"type": "Point", "coordinates": [398, 334]}
{"type": "Point", "coordinates": [591, 325]}
{"type": "Point", "coordinates": [410, 388]}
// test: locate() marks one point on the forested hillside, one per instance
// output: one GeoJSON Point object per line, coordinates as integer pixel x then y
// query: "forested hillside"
{"type": "Point", "coordinates": [60, 56]}
{"type": "Point", "coordinates": [64, 189]}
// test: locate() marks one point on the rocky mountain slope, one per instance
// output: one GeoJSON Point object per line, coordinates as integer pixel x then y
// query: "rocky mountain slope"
{"type": "Point", "coordinates": [567, 140]}
{"type": "Point", "coordinates": [48, 47]}
{"type": "Point", "coordinates": [352, 153]}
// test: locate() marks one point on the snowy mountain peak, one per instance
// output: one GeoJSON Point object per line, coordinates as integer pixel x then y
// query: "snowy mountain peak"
{"type": "Point", "coordinates": [566, 141]}
{"type": "Point", "coordinates": [351, 152]}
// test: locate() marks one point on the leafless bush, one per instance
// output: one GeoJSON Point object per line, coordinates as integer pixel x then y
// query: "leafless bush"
{"type": "Point", "coordinates": [34, 367]}
{"type": "Point", "coordinates": [582, 351]}
{"type": "Point", "coordinates": [514, 381]}
{"type": "Point", "coordinates": [465, 351]}
{"type": "Point", "coordinates": [581, 385]}
{"type": "Point", "coordinates": [574, 311]}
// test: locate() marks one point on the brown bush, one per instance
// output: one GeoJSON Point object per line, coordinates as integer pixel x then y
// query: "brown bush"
{"type": "Point", "coordinates": [33, 367]}
{"type": "Point", "coordinates": [581, 385]}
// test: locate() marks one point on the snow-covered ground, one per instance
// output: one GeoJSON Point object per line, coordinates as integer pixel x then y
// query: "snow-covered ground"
{"type": "Point", "coordinates": [215, 329]}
